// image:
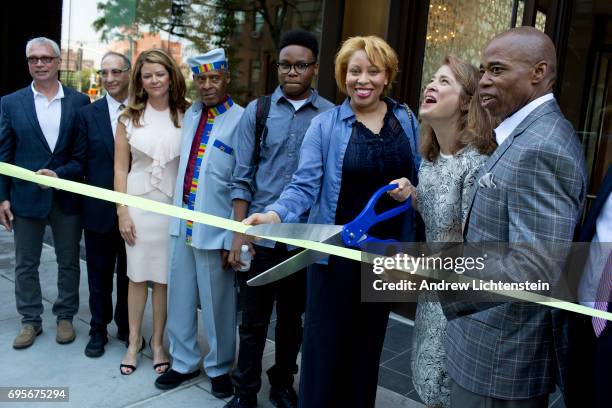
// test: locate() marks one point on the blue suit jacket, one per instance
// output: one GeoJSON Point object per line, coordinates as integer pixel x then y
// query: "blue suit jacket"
{"type": "Point", "coordinates": [588, 228]}
{"type": "Point", "coordinates": [93, 125]}
{"type": "Point", "coordinates": [22, 143]}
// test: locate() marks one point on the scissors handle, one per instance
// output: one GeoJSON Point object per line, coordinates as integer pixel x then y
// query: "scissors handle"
{"type": "Point", "coordinates": [354, 231]}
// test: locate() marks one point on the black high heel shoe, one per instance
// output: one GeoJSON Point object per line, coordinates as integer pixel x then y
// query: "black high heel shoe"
{"type": "Point", "coordinates": [130, 366]}
{"type": "Point", "coordinates": [156, 366]}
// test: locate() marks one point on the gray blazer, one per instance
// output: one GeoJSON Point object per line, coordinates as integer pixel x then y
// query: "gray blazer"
{"type": "Point", "coordinates": [532, 191]}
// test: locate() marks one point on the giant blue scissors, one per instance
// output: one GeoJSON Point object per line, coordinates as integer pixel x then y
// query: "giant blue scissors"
{"type": "Point", "coordinates": [351, 235]}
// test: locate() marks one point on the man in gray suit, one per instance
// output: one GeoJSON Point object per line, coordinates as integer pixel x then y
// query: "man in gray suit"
{"type": "Point", "coordinates": [531, 191]}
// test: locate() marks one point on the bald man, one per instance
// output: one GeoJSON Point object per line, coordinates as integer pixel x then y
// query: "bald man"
{"type": "Point", "coordinates": [531, 190]}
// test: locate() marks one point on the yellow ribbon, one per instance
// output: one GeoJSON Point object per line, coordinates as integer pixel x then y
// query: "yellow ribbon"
{"type": "Point", "coordinates": [235, 226]}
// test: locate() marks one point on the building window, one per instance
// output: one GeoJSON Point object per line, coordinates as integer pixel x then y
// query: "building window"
{"type": "Point", "coordinates": [540, 22]}
{"type": "Point", "coordinates": [239, 18]}
{"type": "Point", "coordinates": [255, 74]}
{"type": "Point", "coordinates": [258, 22]}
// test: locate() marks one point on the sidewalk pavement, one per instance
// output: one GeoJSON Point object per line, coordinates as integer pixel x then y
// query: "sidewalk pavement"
{"type": "Point", "coordinates": [98, 382]}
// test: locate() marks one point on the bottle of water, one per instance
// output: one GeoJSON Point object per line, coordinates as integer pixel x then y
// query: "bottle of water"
{"type": "Point", "coordinates": [245, 258]}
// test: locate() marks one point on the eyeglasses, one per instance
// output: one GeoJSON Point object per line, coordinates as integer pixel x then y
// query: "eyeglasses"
{"type": "Point", "coordinates": [104, 73]}
{"type": "Point", "coordinates": [299, 67]}
{"type": "Point", "coordinates": [44, 60]}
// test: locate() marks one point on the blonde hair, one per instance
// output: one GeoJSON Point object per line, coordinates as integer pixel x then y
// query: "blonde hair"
{"type": "Point", "coordinates": [138, 97]}
{"type": "Point", "coordinates": [379, 53]}
{"type": "Point", "coordinates": [474, 124]}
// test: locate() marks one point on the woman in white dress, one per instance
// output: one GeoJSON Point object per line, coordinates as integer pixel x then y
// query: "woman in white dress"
{"type": "Point", "coordinates": [146, 164]}
{"type": "Point", "coordinates": [456, 140]}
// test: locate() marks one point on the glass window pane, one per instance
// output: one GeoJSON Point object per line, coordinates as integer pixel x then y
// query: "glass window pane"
{"type": "Point", "coordinates": [519, 13]}
{"type": "Point", "coordinates": [540, 21]}
{"type": "Point", "coordinates": [182, 28]}
{"type": "Point", "coordinates": [462, 27]}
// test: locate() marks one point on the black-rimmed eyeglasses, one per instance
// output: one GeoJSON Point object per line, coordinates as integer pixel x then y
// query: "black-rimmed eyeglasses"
{"type": "Point", "coordinates": [299, 67]}
{"type": "Point", "coordinates": [115, 72]}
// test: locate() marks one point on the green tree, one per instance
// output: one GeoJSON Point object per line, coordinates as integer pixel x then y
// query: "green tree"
{"type": "Point", "coordinates": [122, 19]}
{"type": "Point", "coordinates": [85, 78]}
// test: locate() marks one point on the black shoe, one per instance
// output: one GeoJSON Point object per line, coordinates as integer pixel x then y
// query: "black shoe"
{"type": "Point", "coordinates": [222, 386]}
{"type": "Point", "coordinates": [124, 337]}
{"type": "Point", "coordinates": [95, 347]}
{"type": "Point", "coordinates": [242, 402]}
{"type": "Point", "coordinates": [283, 397]}
{"type": "Point", "coordinates": [172, 379]}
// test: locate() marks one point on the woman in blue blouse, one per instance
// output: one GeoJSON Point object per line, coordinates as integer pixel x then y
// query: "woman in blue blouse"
{"type": "Point", "coordinates": [347, 154]}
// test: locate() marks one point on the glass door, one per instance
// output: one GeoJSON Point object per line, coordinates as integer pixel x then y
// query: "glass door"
{"type": "Point", "coordinates": [597, 137]}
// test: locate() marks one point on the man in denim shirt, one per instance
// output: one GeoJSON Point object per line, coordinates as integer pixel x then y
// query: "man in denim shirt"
{"type": "Point", "coordinates": [256, 183]}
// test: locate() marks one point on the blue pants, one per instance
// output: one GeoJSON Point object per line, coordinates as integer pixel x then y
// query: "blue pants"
{"type": "Point", "coordinates": [197, 273]}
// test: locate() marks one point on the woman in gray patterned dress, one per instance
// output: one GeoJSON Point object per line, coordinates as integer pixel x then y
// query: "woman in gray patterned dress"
{"type": "Point", "coordinates": [456, 140]}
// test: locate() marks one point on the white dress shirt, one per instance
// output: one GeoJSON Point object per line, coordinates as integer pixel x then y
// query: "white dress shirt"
{"type": "Point", "coordinates": [49, 114]}
{"type": "Point", "coordinates": [511, 122]}
{"type": "Point", "coordinates": [599, 252]}
{"type": "Point", "coordinates": [114, 110]}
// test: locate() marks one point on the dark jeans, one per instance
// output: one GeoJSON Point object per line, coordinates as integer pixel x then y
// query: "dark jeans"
{"type": "Point", "coordinates": [603, 368]}
{"type": "Point", "coordinates": [255, 304]}
{"type": "Point", "coordinates": [28, 247]}
{"type": "Point", "coordinates": [581, 379]}
{"type": "Point", "coordinates": [104, 252]}
{"type": "Point", "coordinates": [589, 370]}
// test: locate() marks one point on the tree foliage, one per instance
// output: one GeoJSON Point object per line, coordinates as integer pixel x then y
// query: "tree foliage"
{"type": "Point", "coordinates": [205, 23]}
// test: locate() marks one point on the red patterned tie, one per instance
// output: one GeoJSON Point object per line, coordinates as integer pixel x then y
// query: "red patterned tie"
{"type": "Point", "coordinates": [603, 296]}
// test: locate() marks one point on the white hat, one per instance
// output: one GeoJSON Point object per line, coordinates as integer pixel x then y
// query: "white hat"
{"type": "Point", "coordinates": [211, 61]}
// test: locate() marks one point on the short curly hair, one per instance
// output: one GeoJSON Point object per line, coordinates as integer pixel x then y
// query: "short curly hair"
{"type": "Point", "coordinates": [300, 37]}
{"type": "Point", "coordinates": [379, 53]}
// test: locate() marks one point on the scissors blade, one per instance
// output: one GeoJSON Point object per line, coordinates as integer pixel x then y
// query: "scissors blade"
{"type": "Point", "coordinates": [293, 264]}
{"type": "Point", "coordinates": [310, 232]}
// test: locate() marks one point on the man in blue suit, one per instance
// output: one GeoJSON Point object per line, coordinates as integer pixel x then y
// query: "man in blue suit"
{"type": "Point", "coordinates": [97, 123]}
{"type": "Point", "coordinates": [598, 228]}
{"type": "Point", "coordinates": [590, 352]}
{"type": "Point", "coordinates": [37, 133]}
